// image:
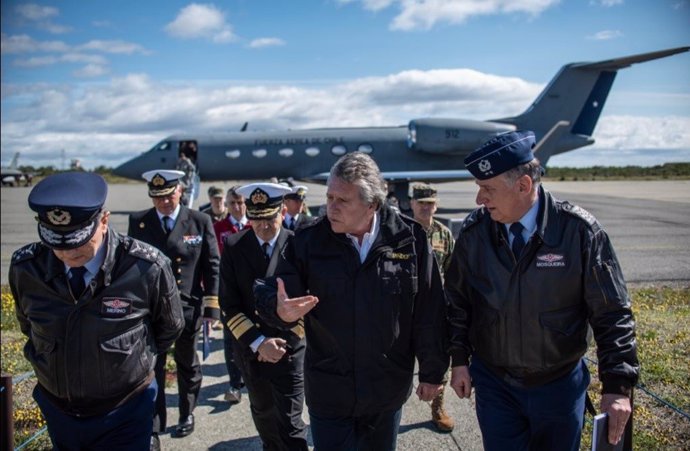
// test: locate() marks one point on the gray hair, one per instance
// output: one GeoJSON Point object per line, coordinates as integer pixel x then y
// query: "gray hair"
{"type": "Point", "coordinates": [360, 169]}
{"type": "Point", "coordinates": [532, 169]}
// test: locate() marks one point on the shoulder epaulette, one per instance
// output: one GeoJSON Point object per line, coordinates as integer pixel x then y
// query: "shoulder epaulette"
{"type": "Point", "coordinates": [472, 219]}
{"type": "Point", "coordinates": [580, 213]}
{"type": "Point", "coordinates": [26, 253]}
{"type": "Point", "coordinates": [144, 251]}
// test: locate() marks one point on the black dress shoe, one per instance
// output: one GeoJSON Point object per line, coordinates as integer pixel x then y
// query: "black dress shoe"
{"type": "Point", "coordinates": [155, 442]}
{"type": "Point", "coordinates": [185, 427]}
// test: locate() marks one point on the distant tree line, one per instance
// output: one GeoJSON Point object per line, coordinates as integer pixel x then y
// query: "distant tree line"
{"type": "Point", "coordinates": [665, 171]}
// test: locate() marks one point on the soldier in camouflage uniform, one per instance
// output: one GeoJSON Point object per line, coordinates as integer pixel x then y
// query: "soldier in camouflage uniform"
{"type": "Point", "coordinates": [424, 204]}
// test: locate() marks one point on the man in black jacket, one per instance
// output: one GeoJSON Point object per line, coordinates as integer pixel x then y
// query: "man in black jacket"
{"type": "Point", "coordinates": [369, 289]}
{"type": "Point", "coordinates": [527, 274]}
{"type": "Point", "coordinates": [187, 238]}
{"type": "Point", "coordinates": [97, 308]}
{"type": "Point", "coordinates": [270, 359]}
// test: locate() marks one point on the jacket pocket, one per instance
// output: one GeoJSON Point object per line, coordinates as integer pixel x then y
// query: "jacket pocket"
{"type": "Point", "coordinates": [42, 351]}
{"type": "Point", "coordinates": [564, 334]}
{"type": "Point", "coordinates": [484, 329]}
{"type": "Point", "coordinates": [125, 360]}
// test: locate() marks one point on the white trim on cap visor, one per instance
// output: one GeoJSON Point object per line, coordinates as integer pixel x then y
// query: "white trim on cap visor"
{"type": "Point", "coordinates": [500, 148]}
{"type": "Point", "coordinates": [69, 240]}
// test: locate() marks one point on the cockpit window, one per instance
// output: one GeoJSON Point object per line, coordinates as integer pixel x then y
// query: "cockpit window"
{"type": "Point", "coordinates": [164, 145]}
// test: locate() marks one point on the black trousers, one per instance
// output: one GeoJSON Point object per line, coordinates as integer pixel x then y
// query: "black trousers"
{"type": "Point", "coordinates": [188, 370]}
{"type": "Point", "coordinates": [276, 397]}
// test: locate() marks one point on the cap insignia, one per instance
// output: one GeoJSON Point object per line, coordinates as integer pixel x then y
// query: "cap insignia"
{"type": "Point", "coordinates": [301, 192]}
{"type": "Point", "coordinates": [485, 165]}
{"type": "Point", "coordinates": [57, 216]}
{"type": "Point", "coordinates": [158, 180]}
{"type": "Point", "coordinates": [259, 197]}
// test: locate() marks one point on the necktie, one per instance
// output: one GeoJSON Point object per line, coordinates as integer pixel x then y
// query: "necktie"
{"type": "Point", "coordinates": [292, 223]}
{"type": "Point", "coordinates": [76, 280]}
{"type": "Point", "coordinates": [518, 241]}
{"type": "Point", "coordinates": [167, 224]}
{"type": "Point", "coordinates": [264, 248]}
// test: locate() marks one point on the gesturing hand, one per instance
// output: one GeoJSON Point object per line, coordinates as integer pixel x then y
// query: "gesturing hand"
{"type": "Point", "coordinates": [290, 310]}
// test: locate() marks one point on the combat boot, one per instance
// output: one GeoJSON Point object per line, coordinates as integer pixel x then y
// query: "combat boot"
{"type": "Point", "coordinates": [439, 417]}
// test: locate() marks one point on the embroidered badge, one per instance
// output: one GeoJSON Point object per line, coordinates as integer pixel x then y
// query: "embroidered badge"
{"type": "Point", "coordinates": [158, 180]}
{"type": "Point", "coordinates": [259, 197]}
{"type": "Point", "coordinates": [485, 165]}
{"type": "Point", "coordinates": [115, 307]}
{"type": "Point", "coordinates": [191, 240]}
{"type": "Point", "coordinates": [399, 256]}
{"type": "Point", "coordinates": [57, 216]}
{"type": "Point", "coordinates": [550, 261]}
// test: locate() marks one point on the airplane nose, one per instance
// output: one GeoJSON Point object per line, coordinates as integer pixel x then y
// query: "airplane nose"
{"type": "Point", "coordinates": [129, 169]}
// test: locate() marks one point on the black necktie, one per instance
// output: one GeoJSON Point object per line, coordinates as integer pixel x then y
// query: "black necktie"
{"type": "Point", "coordinates": [292, 223]}
{"type": "Point", "coordinates": [167, 224]}
{"type": "Point", "coordinates": [264, 248]}
{"type": "Point", "coordinates": [518, 241]}
{"type": "Point", "coordinates": [76, 280]}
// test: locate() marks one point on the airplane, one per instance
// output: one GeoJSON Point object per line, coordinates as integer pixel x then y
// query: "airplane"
{"type": "Point", "coordinates": [11, 175]}
{"type": "Point", "coordinates": [562, 117]}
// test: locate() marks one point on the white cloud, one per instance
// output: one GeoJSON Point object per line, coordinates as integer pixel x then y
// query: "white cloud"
{"type": "Point", "coordinates": [425, 14]}
{"type": "Point", "coordinates": [605, 35]}
{"type": "Point", "coordinates": [266, 42]}
{"type": "Point", "coordinates": [201, 21]}
{"type": "Point", "coordinates": [71, 57]}
{"type": "Point", "coordinates": [40, 16]}
{"type": "Point", "coordinates": [124, 116]}
{"type": "Point", "coordinates": [91, 70]}
{"type": "Point", "coordinates": [607, 3]}
{"type": "Point", "coordinates": [115, 46]}
{"type": "Point", "coordinates": [22, 43]}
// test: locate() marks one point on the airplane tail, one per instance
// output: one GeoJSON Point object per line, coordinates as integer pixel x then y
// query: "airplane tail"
{"type": "Point", "coordinates": [14, 164]}
{"type": "Point", "coordinates": [564, 115]}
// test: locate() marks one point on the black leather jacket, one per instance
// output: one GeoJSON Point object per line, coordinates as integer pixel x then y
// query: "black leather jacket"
{"type": "Point", "coordinates": [91, 354]}
{"type": "Point", "coordinates": [529, 318]}
{"type": "Point", "coordinates": [372, 319]}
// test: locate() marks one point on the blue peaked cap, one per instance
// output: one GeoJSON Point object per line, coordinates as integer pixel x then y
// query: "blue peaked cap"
{"type": "Point", "coordinates": [67, 207]}
{"type": "Point", "coordinates": [501, 153]}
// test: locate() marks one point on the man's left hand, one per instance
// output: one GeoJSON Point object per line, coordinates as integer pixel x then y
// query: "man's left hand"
{"type": "Point", "coordinates": [427, 392]}
{"type": "Point", "coordinates": [618, 407]}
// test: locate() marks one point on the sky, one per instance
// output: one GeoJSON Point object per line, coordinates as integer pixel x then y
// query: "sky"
{"type": "Point", "coordinates": [102, 81]}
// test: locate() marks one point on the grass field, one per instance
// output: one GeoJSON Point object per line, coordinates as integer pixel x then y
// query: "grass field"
{"type": "Point", "coordinates": [663, 332]}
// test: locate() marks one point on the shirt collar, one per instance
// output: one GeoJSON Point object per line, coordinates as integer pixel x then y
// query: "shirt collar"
{"type": "Point", "coordinates": [528, 220]}
{"type": "Point", "coordinates": [172, 216]}
{"type": "Point", "coordinates": [93, 265]}
{"type": "Point", "coordinates": [367, 240]}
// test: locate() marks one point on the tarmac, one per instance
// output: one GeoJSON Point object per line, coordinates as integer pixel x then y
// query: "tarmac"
{"type": "Point", "coordinates": [648, 222]}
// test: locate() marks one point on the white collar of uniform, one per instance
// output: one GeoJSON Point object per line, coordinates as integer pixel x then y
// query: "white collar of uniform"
{"type": "Point", "coordinates": [271, 242]}
{"type": "Point", "coordinates": [367, 239]}
{"type": "Point", "coordinates": [235, 222]}
{"type": "Point", "coordinates": [172, 216]}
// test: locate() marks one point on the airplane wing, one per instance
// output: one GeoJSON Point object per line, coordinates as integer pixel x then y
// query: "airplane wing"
{"type": "Point", "coordinates": [399, 176]}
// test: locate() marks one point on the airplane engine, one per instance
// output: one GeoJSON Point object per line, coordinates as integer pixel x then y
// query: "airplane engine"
{"type": "Point", "coordinates": [451, 136]}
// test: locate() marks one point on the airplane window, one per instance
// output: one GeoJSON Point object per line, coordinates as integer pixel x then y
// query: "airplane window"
{"type": "Point", "coordinates": [259, 153]}
{"type": "Point", "coordinates": [338, 150]}
{"type": "Point", "coordinates": [365, 148]}
{"type": "Point", "coordinates": [163, 146]}
{"type": "Point", "coordinates": [287, 152]}
{"type": "Point", "coordinates": [232, 153]}
{"type": "Point", "coordinates": [312, 151]}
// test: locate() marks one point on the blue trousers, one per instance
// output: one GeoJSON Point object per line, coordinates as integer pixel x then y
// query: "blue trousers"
{"type": "Point", "coordinates": [126, 428]}
{"type": "Point", "coordinates": [233, 370]}
{"type": "Point", "coordinates": [546, 417]}
{"type": "Point", "coordinates": [375, 432]}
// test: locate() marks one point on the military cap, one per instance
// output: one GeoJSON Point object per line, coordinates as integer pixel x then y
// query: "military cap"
{"type": "Point", "coordinates": [214, 191]}
{"type": "Point", "coordinates": [500, 154]}
{"type": "Point", "coordinates": [162, 182]}
{"type": "Point", "coordinates": [424, 193]}
{"type": "Point", "coordinates": [68, 207]}
{"type": "Point", "coordinates": [263, 200]}
{"type": "Point", "coordinates": [299, 192]}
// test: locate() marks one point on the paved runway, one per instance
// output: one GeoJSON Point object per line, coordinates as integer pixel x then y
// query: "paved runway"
{"type": "Point", "coordinates": [649, 224]}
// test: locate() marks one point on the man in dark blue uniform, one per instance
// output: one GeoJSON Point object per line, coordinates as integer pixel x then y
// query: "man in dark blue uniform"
{"type": "Point", "coordinates": [97, 308]}
{"type": "Point", "coordinates": [270, 359]}
{"type": "Point", "coordinates": [186, 236]}
{"type": "Point", "coordinates": [528, 274]}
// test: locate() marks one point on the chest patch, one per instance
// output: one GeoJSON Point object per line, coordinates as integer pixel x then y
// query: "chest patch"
{"type": "Point", "coordinates": [550, 261]}
{"type": "Point", "coordinates": [191, 240]}
{"type": "Point", "coordinates": [115, 307]}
